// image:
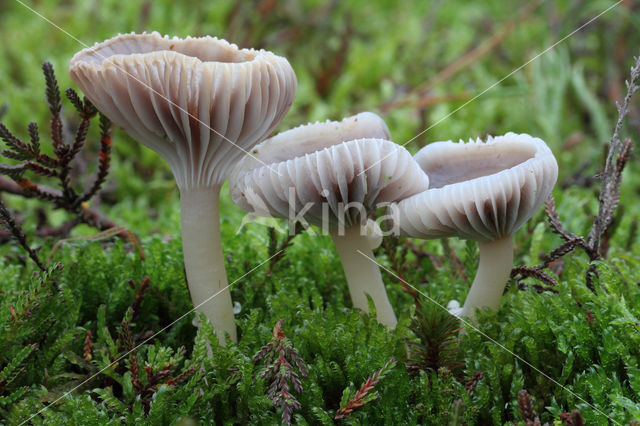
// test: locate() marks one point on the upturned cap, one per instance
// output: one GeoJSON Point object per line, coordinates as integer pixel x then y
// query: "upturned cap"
{"type": "Point", "coordinates": [311, 137]}
{"type": "Point", "coordinates": [200, 103]}
{"type": "Point", "coordinates": [481, 191]}
{"type": "Point", "coordinates": [319, 165]}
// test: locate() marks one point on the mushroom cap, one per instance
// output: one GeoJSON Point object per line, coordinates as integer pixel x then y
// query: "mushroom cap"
{"type": "Point", "coordinates": [481, 191]}
{"type": "Point", "coordinates": [311, 137]}
{"type": "Point", "coordinates": [351, 179]}
{"type": "Point", "coordinates": [201, 103]}
{"type": "Point", "coordinates": [312, 166]}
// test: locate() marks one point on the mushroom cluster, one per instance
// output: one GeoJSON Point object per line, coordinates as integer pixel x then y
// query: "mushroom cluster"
{"type": "Point", "coordinates": [208, 108]}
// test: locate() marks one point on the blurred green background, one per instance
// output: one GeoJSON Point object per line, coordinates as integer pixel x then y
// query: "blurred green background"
{"type": "Point", "coordinates": [434, 70]}
{"type": "Point", "coordinates": [351, 56]}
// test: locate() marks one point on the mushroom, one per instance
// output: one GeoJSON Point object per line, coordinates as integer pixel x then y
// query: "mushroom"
{"type": "Point", "coordinates": [200, 103]}
{"type": "Point", "coordinates": [481, 191]}
{"type": "Point", "coordinates": [333, 175]}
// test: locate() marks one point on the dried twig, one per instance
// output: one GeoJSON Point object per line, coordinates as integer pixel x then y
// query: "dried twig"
{"type": "Point", "coordinates": [146, 385]}
{"type": "Point", "coordinates": [596, 243]}
{"type": "Point", "coordinates": [332, 66]}
{"type": "Point", "coordinates": [565, 248]}
{"type": "Point", "coordinates": [29, 158]}
{"type": "Point", "coordinates": [554, 220]}
{"type": "Point", "coordinates": [396, 251]}
{"type": "Point", "coordinates": [142, 291]}
{"type": "Point", "coordinates": [16, 232]}
{"type": "Point", "coordinates": [112, 232]}
{"type": "Point", "coordinates": [462, 62]}
{"type": "Point", "coordinates": [419, 252]}
{"type": "Point", "coordinates": [450, 254]}
{"type": "Point", "coordinates": [521, 272]}
{"type": "Point", "coordinates": [618, 154]}
{"type": "Point", "coordinates": [277, 249]}
{"type": "Point", "coordinates": [617, 157]}
{"type": "Point", "coordinates": [473, 381]}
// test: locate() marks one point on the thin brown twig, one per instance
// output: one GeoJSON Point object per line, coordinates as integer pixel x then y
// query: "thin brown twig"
{"type": "Point", "coordinates": [464, 61]}
{"type": "Point", "coordinates": [521, 272]}
{"type": "Point", "coordinates": [333, 65]}
{"type": "Point", "coordinates": [450, 254]}
{"type": "Point", "coordinates": [580, 177]}
{"type": "Point", "coordinates": [277, 249]}
{"type": "Point", "coordinates": [142, 291]}
{"type": "Point", "coordinates": [420, 253]}
{"type": "Point", "coordinates": [473, 381]}
{"type": "Point", "coordinates": [16, 232]}
{"type": "Point", "coordinates": [596, 243]}
{"type": "Point", "coordinates": [554, 220]}
{"type": "Point", "coordinates": [560, 251]}
{"type": "Point", "coordinates": [59, 166]}
{"type": "Point", "coordinates": [617, 156]}
{"type": "Point", "coordinates": [428, 100]}
{"type": "Point", "coordinates": [88, 216]}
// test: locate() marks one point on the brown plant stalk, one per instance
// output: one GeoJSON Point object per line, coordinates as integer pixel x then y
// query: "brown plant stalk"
{"type": "Point", "coordinates": [595, 244]}
{"type": "Point", "coordinates": [365, 393]}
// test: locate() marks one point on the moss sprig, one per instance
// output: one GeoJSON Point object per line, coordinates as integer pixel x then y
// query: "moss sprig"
{"type": "Point", "coordinates": [280, 357]}
{"type": "Point", "coordinates": [352, 400]}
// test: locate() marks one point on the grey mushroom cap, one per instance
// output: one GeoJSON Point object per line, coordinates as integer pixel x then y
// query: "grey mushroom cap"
{"type": "Point", "coordinates": [481, 191]}
{"type": "Point", "coordinates": [312, 137]}
{"type": "Point", "coordinates": [349, 178]}
{"type": "Point", "coordinates": [201, 103]}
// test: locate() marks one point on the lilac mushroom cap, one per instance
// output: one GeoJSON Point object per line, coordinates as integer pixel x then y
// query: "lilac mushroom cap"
{"type": "Point", "coordinates": [317, 174]}
{"type": "Point", "coordinates": [201, 103]}
{"type": "Point", "coordinates": [482, 191]}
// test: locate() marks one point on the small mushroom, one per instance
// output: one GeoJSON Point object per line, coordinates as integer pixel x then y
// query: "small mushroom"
{"type": "Point", "coordinates": [200, 103]}
{"type": "Point", "coordinates": [481, 191]}
{"type": "Point", "coordinates": [319, 175]}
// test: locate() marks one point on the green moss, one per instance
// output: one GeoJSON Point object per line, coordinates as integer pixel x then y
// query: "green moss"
{"type": "Point", "coordinates": [571, 350]}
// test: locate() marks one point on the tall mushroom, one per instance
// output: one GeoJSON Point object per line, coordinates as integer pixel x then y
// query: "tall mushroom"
{"type": "Point", "coordinates": [482, 191]}
{"type": "Point", "coordinates": [200, 103]}
{"type": "Point", "coordinates": [318, 173]}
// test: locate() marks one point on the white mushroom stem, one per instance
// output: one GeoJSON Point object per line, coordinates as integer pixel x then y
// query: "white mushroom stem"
{"type": "Point", "coordinates": [496, 261]}
{"type": "Point", "coordinates": [204, 259]}
{"type": "Point", "coordinates": [363, 274]}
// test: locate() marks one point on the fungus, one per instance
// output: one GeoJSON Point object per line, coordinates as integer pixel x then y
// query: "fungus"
{"type": "Point", "coordinates": [482, 191]}
{"type": "Point", "coordinates": [200, 103]}
{"type": "Point", "coordinates": [333, 175]}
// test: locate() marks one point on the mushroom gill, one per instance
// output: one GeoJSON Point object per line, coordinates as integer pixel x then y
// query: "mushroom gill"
{"type": "Point", "coordinates": [481, 191]}
{"type": "Point", "coordinates": [201, 103]}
